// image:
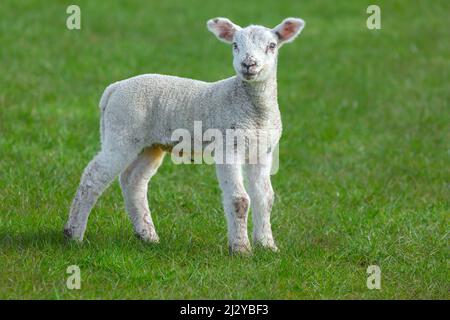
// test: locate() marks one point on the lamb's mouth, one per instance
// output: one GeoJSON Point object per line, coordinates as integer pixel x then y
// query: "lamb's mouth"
{"type": "Point", "coordinates": [250, 75]}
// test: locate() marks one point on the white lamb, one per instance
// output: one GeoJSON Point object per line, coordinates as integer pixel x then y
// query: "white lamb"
{"type": "Point", "coordinates": [138, 116]}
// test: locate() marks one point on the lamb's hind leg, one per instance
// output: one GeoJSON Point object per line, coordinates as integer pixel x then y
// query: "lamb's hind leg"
{"type": "Point", "coordinates": [134, 182]}
{"type": "Point", "coordinates": [96, 177]}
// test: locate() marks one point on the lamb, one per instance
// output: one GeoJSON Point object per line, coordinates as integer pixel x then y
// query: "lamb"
{"type": "Point", "coordinates": [139, 114]}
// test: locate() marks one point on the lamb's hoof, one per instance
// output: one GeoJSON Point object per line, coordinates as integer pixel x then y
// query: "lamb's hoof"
{"type": "Point", "coordinates": [70, 233]}
{"type": "Point", "coordinates": [240, 249]}
{"type": "Point", "coordinates": [271, 247]}
{"type": "Point", "coordinates": [266, 245]}
{"type": "Point", "coordinates": [148, 236]}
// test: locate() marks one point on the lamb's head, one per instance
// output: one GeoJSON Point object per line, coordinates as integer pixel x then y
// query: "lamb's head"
{"type": "Point", "coordinates": [255, 48]}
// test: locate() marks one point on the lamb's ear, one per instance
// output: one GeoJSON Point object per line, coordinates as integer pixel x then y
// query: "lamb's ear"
{"type": "Point", "coordinates": [289, 29]}
{"type": "Point", "coordinates": [223, 28]}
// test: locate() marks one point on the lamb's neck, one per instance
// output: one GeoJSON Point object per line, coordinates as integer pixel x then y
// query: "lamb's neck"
{"type": "Point", "coordinates": [262, 93]}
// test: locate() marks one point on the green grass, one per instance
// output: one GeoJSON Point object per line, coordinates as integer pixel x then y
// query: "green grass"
{"type": "Point", "coordinates": [364, 159]}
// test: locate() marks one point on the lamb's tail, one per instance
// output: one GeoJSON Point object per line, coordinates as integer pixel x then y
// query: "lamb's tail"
{"type": "Point", "coordinates": [105, 96]}
{"type": "Point", "coordinates": [103, 104]}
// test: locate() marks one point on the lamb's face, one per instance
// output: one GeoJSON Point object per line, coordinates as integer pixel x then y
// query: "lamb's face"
{"type": "Point", "coordinates": [255, 51]}
{"type": "Point", "coordinates": [255, 48]}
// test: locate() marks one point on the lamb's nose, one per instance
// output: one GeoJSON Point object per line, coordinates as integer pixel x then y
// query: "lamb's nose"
{"type": "Point", "coordinates": [248, 64]}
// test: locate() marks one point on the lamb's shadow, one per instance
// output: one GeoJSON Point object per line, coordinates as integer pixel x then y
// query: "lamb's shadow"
{"type": "Point", "coordinates": [53, 239]}
{"type": "Point", "coordinates": [39, 238]}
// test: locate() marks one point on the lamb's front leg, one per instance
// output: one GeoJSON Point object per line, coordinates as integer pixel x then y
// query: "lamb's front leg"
{"type": "Point", "coordinates": [236, 203]}
{"type": "Point", "coordinates": [262, 196]}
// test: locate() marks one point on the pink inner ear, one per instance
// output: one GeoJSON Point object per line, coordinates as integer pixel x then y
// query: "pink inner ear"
{"type": "Point", "coordinates": [226, 31]}
{"type": "Point", "coordinates": [289, 29]}
{"type": "Point", "coordinates": [226, 34]}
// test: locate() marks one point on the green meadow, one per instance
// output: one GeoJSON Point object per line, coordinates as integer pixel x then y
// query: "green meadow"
{"type": "Point", "coordinates": [364, 175]}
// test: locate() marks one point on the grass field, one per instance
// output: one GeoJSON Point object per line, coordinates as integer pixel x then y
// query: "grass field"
{"type": "Point", "coordinates": [364, 174]}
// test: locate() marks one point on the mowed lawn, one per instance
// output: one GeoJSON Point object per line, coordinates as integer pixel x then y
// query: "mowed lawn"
{"type": "Point", "coordinates": [364, 175]}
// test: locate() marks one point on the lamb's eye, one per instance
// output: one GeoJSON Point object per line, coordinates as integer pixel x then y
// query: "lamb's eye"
{"type": "Point", "coordinates": [272, 45]}
{"type": "Point", "coordinates": [235, 47]}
